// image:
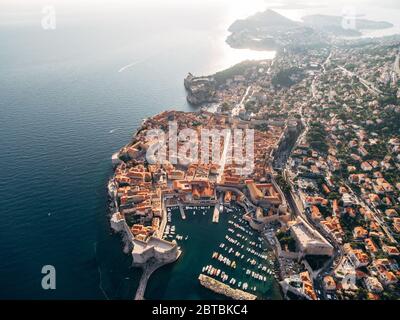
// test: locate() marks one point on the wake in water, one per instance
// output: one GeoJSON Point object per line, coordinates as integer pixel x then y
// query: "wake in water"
{"type": "Point", "coordinates": [129, 66]}
{"type": "Point", "coordinates": [99, 270]}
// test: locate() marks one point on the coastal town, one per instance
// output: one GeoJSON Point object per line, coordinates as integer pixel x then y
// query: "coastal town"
{"type": "Point", "coordinates": [143, 194]}
{"type": "Point", "coordinates": [318, 214]}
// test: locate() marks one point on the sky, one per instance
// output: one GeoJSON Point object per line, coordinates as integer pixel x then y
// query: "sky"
{"type": "Point", "coordinates": [163, 3]}
{"type": "Point", "coordinates": [18, 12]}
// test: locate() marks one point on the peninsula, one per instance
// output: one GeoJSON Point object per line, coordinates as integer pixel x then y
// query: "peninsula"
{"type": "Point", "coordinates": [323, 190]}
{"type": "Point", "coordinates": [141, 193]}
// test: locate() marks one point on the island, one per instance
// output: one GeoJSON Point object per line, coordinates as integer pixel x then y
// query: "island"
{"type": "Point", "coordinates": [269, 30]}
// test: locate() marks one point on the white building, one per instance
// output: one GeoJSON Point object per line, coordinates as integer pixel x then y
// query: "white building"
{"type": "Point", "coordinates": [310, 241]}
{"type": "Point", "coordinates": [373, 285]}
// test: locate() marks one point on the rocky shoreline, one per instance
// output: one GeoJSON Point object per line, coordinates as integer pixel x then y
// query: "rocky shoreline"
{"type": "Point", "coordinates": [200, 90]}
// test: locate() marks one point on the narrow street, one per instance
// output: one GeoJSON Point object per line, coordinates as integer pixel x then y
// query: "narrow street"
{"type": "Point", "coordinates": [373, 212]}
{"type": "Point", "coordinates": [366, 83]}
{"type": "Point", "coordinates": [240, 106]}
{"type": "Point", "coordinates": [397, 65]}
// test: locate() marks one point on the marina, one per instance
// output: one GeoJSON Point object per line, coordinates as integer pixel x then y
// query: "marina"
{"type": "Point", "coordinates": [229, 254]}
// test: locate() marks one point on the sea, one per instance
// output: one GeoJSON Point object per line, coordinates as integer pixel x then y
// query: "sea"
{"type": "Point", "coordinates": [71, 94]}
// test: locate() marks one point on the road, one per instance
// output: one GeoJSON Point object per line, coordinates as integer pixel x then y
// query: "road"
{"type": "Point", "coordinates": [240, 106]}
{"type": "Point", "coordinates": [397, 65]}
{"type": "Point", "coordinates": [366, 83]}
{"type": "Point", "coordinates": [326, 61]}
{"type": "Point", "coordinates": [298, 209]}
{"type": "Point", "coordinates": [227, 140]}
{"type": "Point", "coordinates": [313, 87]}
{"type": "Point", "coordinates": [374, 213]}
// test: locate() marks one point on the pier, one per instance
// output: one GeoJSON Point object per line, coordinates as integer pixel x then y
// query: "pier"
{"type": "Point", "coordinates": [183, 215]}
{"type": "Point", "coordinates": [148, 269]}
{"type": "Point", "coordinates": [224, 289]}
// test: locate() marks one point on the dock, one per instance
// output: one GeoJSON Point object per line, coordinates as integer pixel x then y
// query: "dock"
{"type": "Point", "coordinates": [215, 217]}
{"type": "Point", "coordinates": [224, 289]}
{"type": "Point", "coordinates": [183, 215]}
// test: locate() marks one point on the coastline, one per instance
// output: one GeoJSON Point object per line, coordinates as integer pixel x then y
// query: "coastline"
{"type": "Point", "coordinates": [152, 244]}
{"type": "Point", "coordinates": [232, 93]}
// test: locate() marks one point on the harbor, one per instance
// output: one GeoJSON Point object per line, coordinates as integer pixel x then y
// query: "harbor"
{"type": "Point", "coordinates": [227, 253]}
